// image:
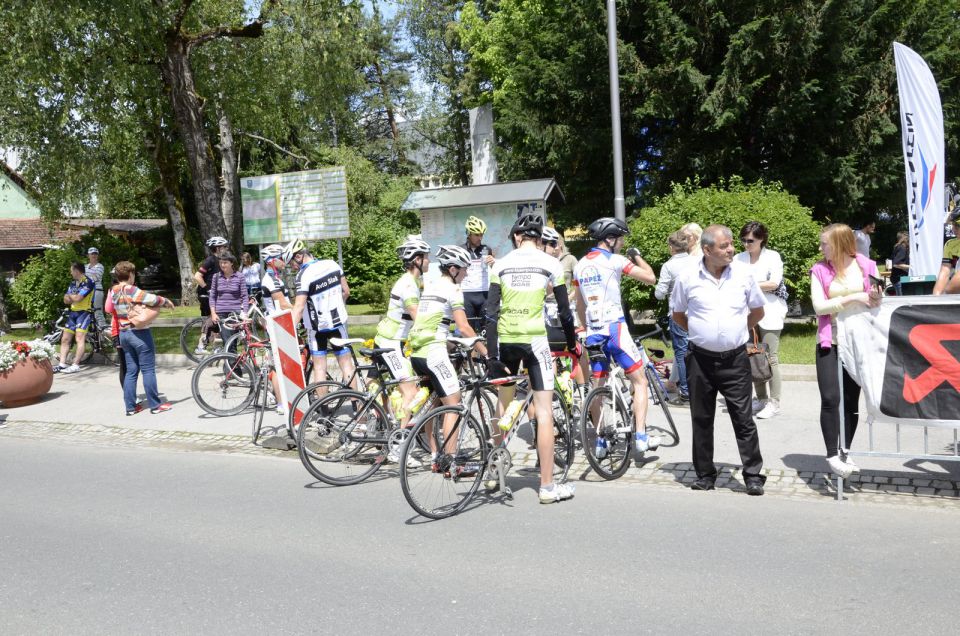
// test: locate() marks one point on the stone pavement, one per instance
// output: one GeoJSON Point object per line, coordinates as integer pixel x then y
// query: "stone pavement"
{"type": "Point", "coordinates": [87, 408]}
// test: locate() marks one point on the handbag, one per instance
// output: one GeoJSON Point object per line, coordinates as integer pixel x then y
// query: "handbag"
{"type": "Point", "coordinates": [759, 357]}
{"type": "Point", "coordinates": [140, 316]}
{"type": "Point", "coordinates": [781, 291]}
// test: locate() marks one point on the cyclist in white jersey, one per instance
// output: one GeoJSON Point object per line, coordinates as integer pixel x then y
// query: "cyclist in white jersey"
{"type": "Point", "coordinates": [274, 288]}
{"type": "Point", "coordinates": [441, 304]}
{"type": "Point", "coordinates": [322, 290]}
{"type": "Point", "coordinates": [517, 335]}
{"type": "Point", "coordinates": [476, 282]}
{"type": "Point", "coordinates": [600, 308]}
{"type": "Point", "coordinates": [414, 253]}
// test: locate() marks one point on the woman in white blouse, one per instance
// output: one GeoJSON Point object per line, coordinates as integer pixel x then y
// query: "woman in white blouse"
{"type": "Point", "coordinates": [767, 269]}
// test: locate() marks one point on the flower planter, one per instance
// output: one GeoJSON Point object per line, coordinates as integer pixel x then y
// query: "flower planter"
{"type": "Point", "coordinates": [25, 383]}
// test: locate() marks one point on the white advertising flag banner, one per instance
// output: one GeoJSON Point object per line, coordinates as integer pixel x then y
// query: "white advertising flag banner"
{"type": "Point", "coordinates": [905, 355]}
{"type": "Point", "coordinates": [921, 125]}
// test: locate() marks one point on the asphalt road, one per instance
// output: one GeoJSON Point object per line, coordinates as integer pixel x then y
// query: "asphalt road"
{"type": "Point", "coordinates": [107, 540]}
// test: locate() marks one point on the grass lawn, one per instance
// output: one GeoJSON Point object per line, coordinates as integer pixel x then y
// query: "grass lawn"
{"type": "Point", "coordinates": [796, 344]}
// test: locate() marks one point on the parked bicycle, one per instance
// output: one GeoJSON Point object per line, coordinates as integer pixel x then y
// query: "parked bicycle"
{"type": "Point", "coordinates": [98, 339]}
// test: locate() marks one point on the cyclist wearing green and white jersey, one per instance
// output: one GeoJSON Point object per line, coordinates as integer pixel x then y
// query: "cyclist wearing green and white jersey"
{"type": "Point", "coordinates": [414, 253]}
{"type": "Point", "coordinates": [441, 304]}
{"type": "Point", "coordinates": [517, 334]}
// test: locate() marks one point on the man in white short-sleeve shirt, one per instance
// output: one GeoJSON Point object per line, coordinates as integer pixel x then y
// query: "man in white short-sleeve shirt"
{"type": "Point", "coordinates": [718, 303]}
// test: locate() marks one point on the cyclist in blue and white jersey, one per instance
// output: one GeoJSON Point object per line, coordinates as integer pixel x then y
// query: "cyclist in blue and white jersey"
{"type": "Point", "coordinates": [274, 288]}
{"type": "Point", "coordinates": [600, 309]}
{"type": "Point", "coordinates": [414, 253]}
{"type": "Point", "coordinates": [322, 291]}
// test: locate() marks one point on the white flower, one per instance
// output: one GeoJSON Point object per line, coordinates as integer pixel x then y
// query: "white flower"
{"type": "Point", "coordinates": [13, 352]}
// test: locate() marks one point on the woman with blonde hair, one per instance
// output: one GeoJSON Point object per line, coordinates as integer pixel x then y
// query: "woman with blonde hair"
{"type": "Point", "coordinates": [840, 280]}
{"type": "Point", "coordinates": [695, 232]}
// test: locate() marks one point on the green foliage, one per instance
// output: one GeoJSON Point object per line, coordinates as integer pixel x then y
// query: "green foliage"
{"type": "Point", "coordinates": [793, 232]}
{"type": "Point", "coordinates": [373, 293]}
{"type": "Point", "coordinates": [369, 254]}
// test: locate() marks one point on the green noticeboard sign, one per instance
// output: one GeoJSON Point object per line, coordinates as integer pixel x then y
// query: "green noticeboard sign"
{"type": "Point", "coordinates": [311, 205]}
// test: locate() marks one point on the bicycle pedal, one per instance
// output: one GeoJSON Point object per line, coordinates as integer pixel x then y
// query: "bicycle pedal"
{"type": "Point", "coordinates": [508, 493]}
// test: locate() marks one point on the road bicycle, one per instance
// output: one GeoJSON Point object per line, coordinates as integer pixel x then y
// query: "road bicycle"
{"type": "Point", "coordinates": [98, 339]}
{"type": "Point", "coordinates": [441, 472]}
{"type": "Point", "coordinates": [607, 424]}
{"type": "Point", "coordinates": [346, 435]}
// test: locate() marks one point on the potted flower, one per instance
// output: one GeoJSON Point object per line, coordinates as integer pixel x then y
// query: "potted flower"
{"type": "Point", "coordinates": [25, 371]}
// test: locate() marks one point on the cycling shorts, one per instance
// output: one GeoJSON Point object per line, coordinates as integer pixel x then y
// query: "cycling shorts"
{"type": "Point", "coordinates": [399, 364]}
{"type": "Point", "coordinates": [78, 321]}
{"type": "Point", "coordinates": [557, 339]}
{"type": "Point", "coordinates": [319, 341]}
{"type": "Point", "coordinates": [437, 366]}
{"type": "Point", "coordinates": [204, 305]}
{"type": "Point", "coordinates": [617, 344]}
{"type": "Point", "coordinates": [534, 357]}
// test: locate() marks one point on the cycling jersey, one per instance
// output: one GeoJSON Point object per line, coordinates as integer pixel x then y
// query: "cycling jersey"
{"type": "Point", "coordinates": [951, 252]}
{"type": "Point", "coordinates": [477, 278]}
{"type": "Point", "coordinates": [523, 276]}
{"type": "Point", "coordinates": [272, 282]}
{"type": "Point", "coordinates": [209, 267]}
{"type": "Point", "coordinates": [404, 295]}
{"type": "Point", "coordinates": [319, 281]}
{"type": "Point", "coordinates": [440, 298]}
{"type": "Point", "coordinates": [84, 287]}
{"type": "Point", "coordinates": [598, 277]}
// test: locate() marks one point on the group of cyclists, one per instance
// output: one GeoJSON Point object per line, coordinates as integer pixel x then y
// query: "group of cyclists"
{"type": "Point", "coordinates": [519, 311]}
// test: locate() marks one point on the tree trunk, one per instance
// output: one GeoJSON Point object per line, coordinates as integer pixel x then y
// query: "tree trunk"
{"type": "Point", "coordinates": [391, 116]}
{"type": "Point", "coordinates": [188, 114]}
{"type": "Point", "coordinates": [230, 208]}
{"type": "Point", "coordinates": [166, 167]}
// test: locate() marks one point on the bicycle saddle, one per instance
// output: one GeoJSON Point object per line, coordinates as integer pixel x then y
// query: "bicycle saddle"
{"type": "Point", "coordinates": [371, 353]}
{"type": "Point", "coordinates": [343, 342]}
{"type": "Point", "coordinates": [465, 342]}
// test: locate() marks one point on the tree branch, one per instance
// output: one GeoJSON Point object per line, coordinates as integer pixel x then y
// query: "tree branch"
{"type": "Point", "coordinates": [305, 160]}
{"type": "Point", "coordinates": [180, 15]}
{"type": "Point", "coordinates": [250, 30]}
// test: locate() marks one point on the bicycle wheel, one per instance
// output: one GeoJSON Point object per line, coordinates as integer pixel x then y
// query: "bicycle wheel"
{"type": "Point", "coordinates": [607, 421]}
{"type": "Point", "coordinates": [223, 384]}
{"type": "Point", "coordinates": [442, 487]}
{"type": "Point", "coordinates": [256, 349]}
{"type": "Point", "coordinates": [310, 394]}
{"type": "Point", "coordinates": [340, 442]}
{"type": "Point", "coordinates": [657, 423]}
{"type": "Point", "coordinates": [190, 338]}
{"type": "Point", "coordinates": [563, 439]}
{"type": "Point", "coordinates": [484, 409]}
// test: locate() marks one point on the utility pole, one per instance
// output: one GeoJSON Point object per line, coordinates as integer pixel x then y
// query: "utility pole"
{"type": "Point", "coordinates": [619, 207]}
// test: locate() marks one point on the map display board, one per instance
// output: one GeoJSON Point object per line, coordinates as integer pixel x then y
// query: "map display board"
{"type": "Point", "coordinates": [311, 205]}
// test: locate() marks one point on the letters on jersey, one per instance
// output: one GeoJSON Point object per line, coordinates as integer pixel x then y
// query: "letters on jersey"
{"type": "Point", "coordinates": [598, 275]}
{"type": "Point", "coordinates": [524, 276]}
{"type": "Point", "coordinates": [319, 280]}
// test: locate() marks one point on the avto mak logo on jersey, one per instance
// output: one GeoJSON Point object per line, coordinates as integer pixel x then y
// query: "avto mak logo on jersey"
{"type": "Point", "coordinates": [922, 176]}
{"type": "Point", "coordinates": [921, 379]}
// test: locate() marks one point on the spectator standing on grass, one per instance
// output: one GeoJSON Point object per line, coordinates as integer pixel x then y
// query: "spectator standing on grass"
{"type": "Point", "coordinates": [718, 303]}
{"type": "Point", "coordinates": [228, 294]}
{"type": "Point", "coordinates": [900, 261]}
{"type": "Point", "coordinates": [680, 260]}
{"type": "Point", "coordinates": [694, 231]}
{"type": "Point", "coordinates": [251, 276]}
{"type": "Point", "coordinates": [766, 266]}
{"type": "Point", "coordinates": [838, 281]}
{"type": "Point", "coordinates": [137, 344]}
{"type": "Point", "coordinates": [862, 237]}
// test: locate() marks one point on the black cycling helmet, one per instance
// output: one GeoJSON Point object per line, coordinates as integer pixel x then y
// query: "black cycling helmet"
{"type": "Point", "coordinates": [529, 225]}
{"type": "Point", "coordinates": [607, 227]}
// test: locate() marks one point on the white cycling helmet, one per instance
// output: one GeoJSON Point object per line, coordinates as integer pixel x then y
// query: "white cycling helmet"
{"type": "Point", "coordinates": [453, 255]}
{"type": "Point", "coordinates": [550, 234]}
{"type": "Point", "coordinates": [412, 247]}
{"type": "Point", "coordinates": [293, 247]}
{"type": "Point", "coordinates": [216, 241]}
{"type": "Point", "coordinates": [271, 252]}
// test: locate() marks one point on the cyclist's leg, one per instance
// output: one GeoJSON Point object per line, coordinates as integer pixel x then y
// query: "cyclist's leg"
{"type": "Point", "coordinates": [205, 314]}
{"type": "Point", "coordinates": [65, 341]}
{"type": "Point", "coordinates": [631, 360]}
{"type": "Point", "coordinates": [344, 359]}
{"type": "Point", "coordinates": [539, 365]}
{"type": "Point", "coordinates": [400, 369]}
{"type": "Point", "coordinates": [81, 334]}
{"type": "Point", "coordinates": [436, 365]}
{"type": "Point", "coordinates": [473, 303]}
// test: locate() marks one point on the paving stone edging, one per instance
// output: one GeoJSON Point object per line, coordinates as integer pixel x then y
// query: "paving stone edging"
{"type": "Point", "coordinates": [864, 488]}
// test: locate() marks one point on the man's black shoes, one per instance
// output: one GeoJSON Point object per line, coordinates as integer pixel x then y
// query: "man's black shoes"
{"type": "Point", "coordinates": [703, 483]}
{"type": "Point", "coordinates": [754, 487]}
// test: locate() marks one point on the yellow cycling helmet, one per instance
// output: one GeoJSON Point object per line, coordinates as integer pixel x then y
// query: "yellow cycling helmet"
{"type": "Point", "coordinates": [476, 226]}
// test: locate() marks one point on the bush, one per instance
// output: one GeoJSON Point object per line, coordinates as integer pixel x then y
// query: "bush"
{"type": "Point", "coordinates": [793, 232]}
{"type": "Point", "coordinates": [39, 288]}
{"type": "Point", "coordinates": [375, 294]}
